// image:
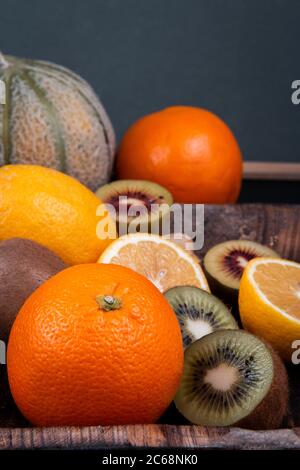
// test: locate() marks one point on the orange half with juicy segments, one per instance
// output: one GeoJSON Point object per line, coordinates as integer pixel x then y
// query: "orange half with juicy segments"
{"type": "Point", "coordinates": [269, 302]}
{"type": "Point", "coordinates": [162, 261]}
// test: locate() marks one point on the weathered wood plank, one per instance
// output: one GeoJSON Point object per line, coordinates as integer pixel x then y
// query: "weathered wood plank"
{"type": "Point", "coordinates": [155, 436]}
{"type": "Point", "coordinates": [276, 171]}
{"type": "Point", "coordinates": [275, 225]}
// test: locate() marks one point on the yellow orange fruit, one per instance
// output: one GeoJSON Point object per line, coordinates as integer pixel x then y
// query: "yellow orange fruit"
{"type": "Point", "coordinates": [95, 344]}
{"type": "Point", "coordinates": [269, 302]}
{"type": "Point", "coordinates": [52, 209]}
{"type": "Point", "coordinates": [162, 261]}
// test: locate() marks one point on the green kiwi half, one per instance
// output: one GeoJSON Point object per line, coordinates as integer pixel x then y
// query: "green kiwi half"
{"type": "Point", "coordinates": [230, 377]}
{"type": "Point", "coordinates": [199, 313]}
{"type": "Point", "coordinates": [224, 265]}
{"type": "Point", "coordinates": [142, 201]}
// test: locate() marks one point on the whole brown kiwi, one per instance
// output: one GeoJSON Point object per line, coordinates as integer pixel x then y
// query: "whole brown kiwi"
{"type": "Point", "coordinates": [24, 266]}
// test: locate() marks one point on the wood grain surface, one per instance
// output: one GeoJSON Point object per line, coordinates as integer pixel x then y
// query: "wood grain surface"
{"type": "Point", "coordinates": [274, 171]}
{"type": "Point", "coordinates": [277, 226]}
{"type": "Point", "coordinates": [154, 435]}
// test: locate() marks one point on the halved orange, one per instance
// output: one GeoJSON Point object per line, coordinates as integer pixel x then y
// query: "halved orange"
{"type": "Point", "coordinates": [269, 302]}
{"type": "Point", "coordinates": [162, 261]}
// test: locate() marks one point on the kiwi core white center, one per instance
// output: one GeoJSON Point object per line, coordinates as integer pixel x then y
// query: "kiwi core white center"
{"type": "Point", "coordinates": [198, 328]}
{"type": "Point", "coordinates": [131, 201]}
{"type": "Point", "coordinates": [221, 377]}
{"type": "Point", "coordinates": [242, 261]}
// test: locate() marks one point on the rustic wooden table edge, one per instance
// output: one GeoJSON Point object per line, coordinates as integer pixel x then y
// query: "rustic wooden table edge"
{"type": "Point", "coordinates": [147, 436]}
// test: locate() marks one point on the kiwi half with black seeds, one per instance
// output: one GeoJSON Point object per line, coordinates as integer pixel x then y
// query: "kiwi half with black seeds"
{"type": "Point", "coordinates": [224, 265]}
{"type": "Point", "coordinates": [199, 313]}
{"type": "Point", "coordinates": [230, 378]}
{"type": "Point", "coordinates": [136, 200]}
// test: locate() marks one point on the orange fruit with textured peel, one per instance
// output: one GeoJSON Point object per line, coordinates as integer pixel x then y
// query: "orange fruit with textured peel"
{"type": "Point", "coordinates": [95, 344]}
{"type": "Point", "coordinates": [269, 302]}
{"type": "Point", "coordinates": [163, 262]}
{"type": "Point", "coordinates": [189, 151]}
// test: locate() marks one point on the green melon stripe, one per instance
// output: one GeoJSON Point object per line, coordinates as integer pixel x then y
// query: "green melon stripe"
{"type": "Point", "coordinates": [7, 77]}
{"type": "Point", "coordinates": [47, 68]}
{"type": "Point", "coordinates": [52, 116]}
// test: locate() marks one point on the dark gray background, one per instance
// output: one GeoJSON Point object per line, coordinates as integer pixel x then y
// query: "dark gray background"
{"type": "Point", "coordinates": [237, 58]}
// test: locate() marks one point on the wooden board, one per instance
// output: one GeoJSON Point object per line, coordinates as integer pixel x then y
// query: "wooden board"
{"type": "Point", "coordinates": [154, 436]}
{"type": "Point", "coordinates": [276, 226]}
{"type": "Point", "coordinates": [271, 171]}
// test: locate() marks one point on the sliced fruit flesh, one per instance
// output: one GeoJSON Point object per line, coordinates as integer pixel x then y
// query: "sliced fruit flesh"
{"type": "Point", "coordinates": [135, 199]}
{"type": "Point", "coordinates": [236, 260]}
{"type": "Point", "coordinates": [182, 239]}
{"type": "Point", "coordinates": [199, 313]}
{"type": "Point", "coordinates": [227, 261]}
{"type": "Point", "coordinates": [163, 266]}
{"type": "Point", "coordinates": [197, 328]}
{"type": "Point", "coordinates": [226, 375]}
{"type": "Point", "coordinates": [138, 195]}
{"type": "Point", "coordinates": [279, 284]}
{"type": "Point", "coordinates": [161, 261]}
{"type": "Point", "coordinates": [222, 377]}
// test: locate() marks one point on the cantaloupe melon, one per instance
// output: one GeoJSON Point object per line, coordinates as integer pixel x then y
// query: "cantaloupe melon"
{"type": "Point", "coordinates": [52, 117]}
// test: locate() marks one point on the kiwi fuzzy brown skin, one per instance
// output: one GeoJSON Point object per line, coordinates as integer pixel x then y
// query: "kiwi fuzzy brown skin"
{"type": "Point", "coordinates": [224, 279]}
{"type": "Point", "coordinates": [267, 385]}
{"type": "Point", "coordinates": [24, 266]}
{"type": "Point", "coordinates": [139, 193]}
{"type": "Point", "coordinates": [270, 413]}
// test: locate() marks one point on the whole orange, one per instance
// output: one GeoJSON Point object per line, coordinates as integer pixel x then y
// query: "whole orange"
{"type": "Point", "coordinates": [188, 150]}
{"type": "Point", "coordinates": [95, 344]}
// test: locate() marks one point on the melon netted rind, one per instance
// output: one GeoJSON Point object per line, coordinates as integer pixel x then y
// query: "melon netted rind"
{"type": "Point", "coordinates": [52, 117]}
